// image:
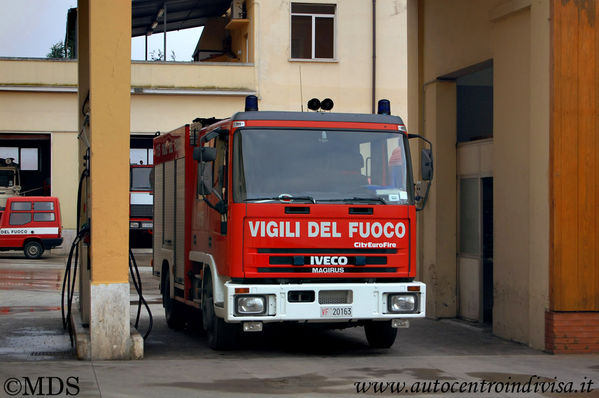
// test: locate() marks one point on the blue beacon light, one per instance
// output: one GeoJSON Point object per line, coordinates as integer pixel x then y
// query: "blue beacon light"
{"type": "Point", "coordinates": [384, 107]}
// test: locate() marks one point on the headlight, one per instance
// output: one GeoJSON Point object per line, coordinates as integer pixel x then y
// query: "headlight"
{"type": "Point", "coordinates": [250, 305]}
{"type": "Point", "coordinates": [402, 303]}
{"type": "Point", "coordinates": [133, 224]}
{"type": "Point", "coordinates": [146, 225]}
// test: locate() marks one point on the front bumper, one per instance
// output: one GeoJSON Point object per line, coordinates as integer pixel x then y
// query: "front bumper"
{"type": "Point", "coordinates": [322, 302]}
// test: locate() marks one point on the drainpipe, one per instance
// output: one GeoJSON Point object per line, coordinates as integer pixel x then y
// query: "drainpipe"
{"type": "Point", "coordinates": [164, 55]}
{"type": "Point", "coordinates": [373, 56]}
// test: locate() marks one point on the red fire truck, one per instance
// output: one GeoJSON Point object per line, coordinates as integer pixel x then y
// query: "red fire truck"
{"type": "Point", "coordinates": [140, 199]}
{"type": "Point", "coordinates": [270, 217]}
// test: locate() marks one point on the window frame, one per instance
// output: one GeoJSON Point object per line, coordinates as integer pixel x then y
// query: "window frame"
{"type": "Point", "coordinates": [313, 16]}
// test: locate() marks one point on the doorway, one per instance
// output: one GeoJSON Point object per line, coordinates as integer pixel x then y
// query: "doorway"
{"type": "Point", "coordinates": [474, 91]}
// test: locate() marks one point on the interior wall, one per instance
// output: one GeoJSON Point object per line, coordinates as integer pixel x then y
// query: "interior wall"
{"type": "Point", "coordinates": [439, 221]}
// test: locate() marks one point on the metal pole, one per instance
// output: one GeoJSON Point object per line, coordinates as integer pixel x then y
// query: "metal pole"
{"type": "Point", "coordinates": [146, 46]}
{"type": "Point", "coordinates": [165, 31]}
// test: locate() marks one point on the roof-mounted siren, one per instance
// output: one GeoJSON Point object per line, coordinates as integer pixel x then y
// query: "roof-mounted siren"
{"type": "Point", "coordinates": [251, 103]}
{"type": "Point", "coordinates": [384, 107]}
{"type": "Point", "coordinates": [326, 104]}
{"type": "Point", "coordinates": [315, 104]}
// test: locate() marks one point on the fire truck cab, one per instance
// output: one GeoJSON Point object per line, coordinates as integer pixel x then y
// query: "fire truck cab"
{"type": "Point", "coordinates": [303, 217]}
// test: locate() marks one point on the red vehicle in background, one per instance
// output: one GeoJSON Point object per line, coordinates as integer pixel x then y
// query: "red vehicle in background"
{"type": "Point", "coordinates": [141, 199]}
{"type": "Point", "coordinates": [31, 224]}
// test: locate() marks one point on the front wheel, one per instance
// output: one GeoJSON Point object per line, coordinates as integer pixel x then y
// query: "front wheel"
{"type": "Point", "coordinates": [33, 249]}
{"type": "Point", "coordinates": [221, 335]}
{"type": "Point", "coordinates": [380, 334]}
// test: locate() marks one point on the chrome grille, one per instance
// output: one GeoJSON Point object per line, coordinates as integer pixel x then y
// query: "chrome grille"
{"type": "Point", "coordinates": [335, 297]}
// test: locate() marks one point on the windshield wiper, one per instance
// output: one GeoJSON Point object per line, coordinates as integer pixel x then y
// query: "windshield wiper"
{"type": "Point", "coordinates": [356, 199]}
{"type": "Point", "coordinates": [283, 198]}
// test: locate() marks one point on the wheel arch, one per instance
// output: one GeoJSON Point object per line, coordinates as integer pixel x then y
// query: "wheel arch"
{"type": "Point", "coordinates": [209, 267]}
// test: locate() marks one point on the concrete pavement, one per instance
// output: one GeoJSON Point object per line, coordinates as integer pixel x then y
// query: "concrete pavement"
{"type": "Point", "coordinates": [443, 356]}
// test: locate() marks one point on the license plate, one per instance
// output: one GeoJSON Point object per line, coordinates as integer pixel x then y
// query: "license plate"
{"type": "Point", "coordinates": [335, 312]}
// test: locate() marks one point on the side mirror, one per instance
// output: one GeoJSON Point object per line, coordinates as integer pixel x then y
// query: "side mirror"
{"type": "Point", "coordinates": [426, 164]}
{"type": "Point", "coordinates": [426, 169]}
{"type": "Point", "coordinates": [204, 154]}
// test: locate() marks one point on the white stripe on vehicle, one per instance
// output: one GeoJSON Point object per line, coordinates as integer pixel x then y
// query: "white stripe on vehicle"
{"type": "Point", "coordinates": [29, 231]}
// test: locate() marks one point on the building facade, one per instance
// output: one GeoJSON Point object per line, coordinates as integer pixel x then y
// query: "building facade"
{"type": "Point", "coordinates": [270, 52]}
{"type": "Point", "coordinates": [506, 91]}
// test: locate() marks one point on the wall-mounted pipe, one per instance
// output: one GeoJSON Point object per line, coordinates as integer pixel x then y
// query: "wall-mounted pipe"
{"type": "Point", "coordinates": [373, 56]}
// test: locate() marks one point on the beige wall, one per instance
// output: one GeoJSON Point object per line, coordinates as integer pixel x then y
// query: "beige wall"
{"type": "Point", "coordinates": [35, 111]}
{"type": "Point", "coordinates": [151, 113]}
{"type": "Point", "coordinates": [511, 39]}
{"type": "Point", "coordinates": [438, 244]}
{"type": "Point", "coordinates": [515, 34]}
{"type": "Point", "coordinates": [65, 175]}
{"type": "Point", "coordinates": [348, 79]}
{"type": "Point", "coordinates": [539, 137]}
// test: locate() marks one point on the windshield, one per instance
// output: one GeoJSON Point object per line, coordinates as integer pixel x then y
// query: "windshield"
{"type": "Point", "coordinates": [140, 178]}
{"type": "Point", "coordinates": [7, 178]}
{"type": "Point", "coordinates": [321, 166]}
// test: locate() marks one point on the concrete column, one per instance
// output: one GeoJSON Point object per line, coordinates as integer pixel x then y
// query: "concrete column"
{"type": "Point", "coordinates": [538, 147]}
{"type": "Point", "coordinates": [104, 95]}
{"type": "Point", "coordinates": [439, 217]}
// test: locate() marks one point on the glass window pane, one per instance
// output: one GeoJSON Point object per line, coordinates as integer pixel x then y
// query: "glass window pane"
{"type": "Point", "coordinates": [20, 206]}
{"type": "Point", "coordinates": [341, 165]}
{"type": "Point", "coordinates": [29, 159]}
{"type": "Point", "coordinates": [140, 179]}
{"type": "Point", "coordinates": [150, 156]}
{"type": "Point", "coordinates": [313, 8]}
{"type": "Point", "coordinates": [43, 206]}
{"type": "Point", "coordinates": [43, 216]}
{"type": "Point", "coordinates": [324, 38]}
{"type": "Point", "coordinates": [9, 152]}
{"type": "Point", "coordinates": [20, 218]}
{"type": "Point", "coordinates": [7, 178]}
{"type": "Point", "coordinates": [138, 155]}
{"type": "Point", "coordinates": [301, 37]}
{"type": "Point", "coordinates": [469, 216]}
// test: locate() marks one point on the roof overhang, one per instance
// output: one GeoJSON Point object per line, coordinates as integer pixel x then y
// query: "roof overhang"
{"type": "Point", "coordinates": [148, 16]}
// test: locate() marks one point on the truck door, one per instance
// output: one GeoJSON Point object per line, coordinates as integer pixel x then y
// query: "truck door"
{"type": "Point", "coordinates": [215, 225]}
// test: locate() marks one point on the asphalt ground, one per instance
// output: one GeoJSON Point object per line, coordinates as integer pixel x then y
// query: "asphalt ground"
{"type": "Point", "coordinates": [431, 358]}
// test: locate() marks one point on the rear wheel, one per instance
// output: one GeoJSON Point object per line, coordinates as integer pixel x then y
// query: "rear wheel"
{"type": "Point", "coordinates": [33, 249]}
{"type": "Point", "coordinates": [380, 334]}
{"type": "Point", "coordinates": [173, 310]}
{"type": "Point", "coordinates": [221, 335]}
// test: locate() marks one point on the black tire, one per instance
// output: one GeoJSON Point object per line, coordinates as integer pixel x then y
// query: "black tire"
{"type": "Point", "coordinates": [221, 335]}
{"type": "Point", "coordinates": [173, 310]}
{"type": "Point", "coordinates": [380, 334]}
{"type": "Point", "coordinates": [33, 249]}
